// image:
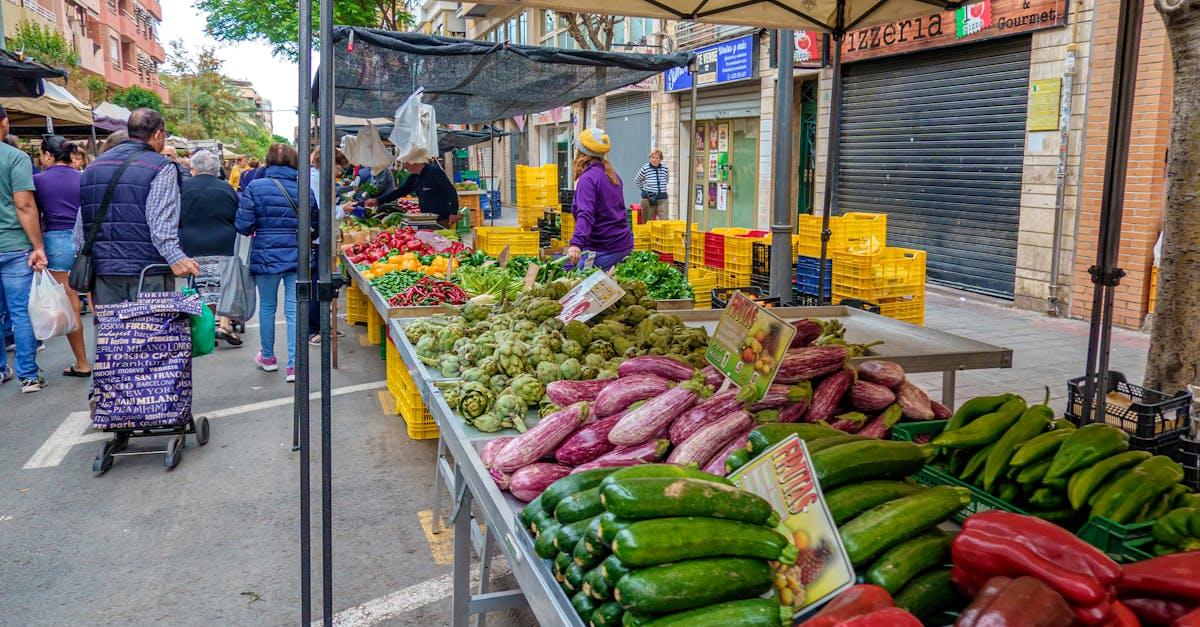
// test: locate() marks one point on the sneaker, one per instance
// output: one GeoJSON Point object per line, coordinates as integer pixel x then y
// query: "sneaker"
{"type": "Point", "coordinates": [268, 364]}
{"type": "Point", "coordinates": [32, 385]}
{"type": "Point", "coordinates": [5, 374]}
{"type": "Point", "coordinates": [291, 374]}
{"type": "Point", "coordinates": [41, 346]}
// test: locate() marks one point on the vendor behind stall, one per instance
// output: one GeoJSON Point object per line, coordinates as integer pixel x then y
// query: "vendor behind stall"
{"type": "Point", "coordinates": [435, 193]}
{"type": "Point", "coordinates": [599, 206]}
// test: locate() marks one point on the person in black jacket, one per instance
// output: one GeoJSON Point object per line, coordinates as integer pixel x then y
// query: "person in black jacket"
{"type": "Point", "coordinates": [206, 231]}
{"type": "Point", "coordinates": [435, 193]}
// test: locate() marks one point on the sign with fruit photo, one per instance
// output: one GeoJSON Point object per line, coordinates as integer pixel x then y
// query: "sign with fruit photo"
{"type": "Point", "coordinates": [748, 346]}
{"type": "Point", "coordinates": [784, 476]}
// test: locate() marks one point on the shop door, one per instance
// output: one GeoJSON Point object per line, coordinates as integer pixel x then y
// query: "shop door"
{"type": "Point", "coordinates": [808, 148]}
{"type": "Point", "coordinates": [744, 205]}
{"type": "Point", "coordinates": [628, 125]}
{"type": "Point", "coordinates": [936, 140]}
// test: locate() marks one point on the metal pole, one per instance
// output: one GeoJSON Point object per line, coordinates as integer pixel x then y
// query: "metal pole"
{"type": "Point", "coordinates": [300, 428]}
{"type": "Point", "coordinates": [492, 169]}
{"type": "Point", "coordinates": [832, 158]}
{"type": "Point", "coordinates": [691, 170]}
{"type": "Point", "coordinates": [1105, 274]}
{"type": "Point", "coordinates": [326, 288]}
{"type": "Point", "coordinates": [782, 208]}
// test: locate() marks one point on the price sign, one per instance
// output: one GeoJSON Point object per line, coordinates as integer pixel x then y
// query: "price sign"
{"type": "Point", "coordinates": [531, 275]}
{"type": "Point", "coordinates": [592, 296]}
{"type": "Point", "coordinates": [783, 475]}
{"type": "Point", "coordinates": [749, 344]}
{"type": "Point", "coordinates": [587, 260]}
{"type": "Point", "coordinates": [502, 258]}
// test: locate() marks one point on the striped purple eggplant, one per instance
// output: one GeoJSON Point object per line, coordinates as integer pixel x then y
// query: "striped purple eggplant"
{"type": "Point", "coordinates": [810, 362]}
{"type": "Point", "coordinates": [716, 465]}
{"type": "Point", "coordinates": [502, 479]}
{"type": "Point", "coordinates": [880, 426]}
{"type": "Point", "coordinates": [644, 453]}
{"type": "Point", "coordinates": [849, 422]}
{"type": "Point", "coordinates": [940, 411]}
{"type": "Point", "coordinates": [493, 446]}
{"type": "Point", "coordinates": [885, 373]}
{"type": "Point", "coordinates": [807, 332]}
{"type": "Point", "coordinates": [528, 482]}
{"type": "Point", "coordinates": [828, 394]}
{"type": "Point", "coordinates": [713, 377]}
{"type": "Point", "coordinates": [659, 365]}
{"type": "Point", "coordinates": [794, 411]}
{"type": "Point", "coordinates": [710, 439]}
{"type": "Point", "coordinates": [563, 393]}
{"type": "Point", "coordinates": [776, 397]}
{"type": "Point", "coordinates": [870, 397]}
{"type": "Point", "coordinates": [625, 391]}
{"type": "Point", "coordinates": [914, 401]}
{"type": "Point", "coordinates": [657, 413]}
{"type": "Point", "coordinates": [540, 439]}
{"type": "Point", "coordinates": [703, 413]}
{"type": "Point", "coordinates": [588, 443]}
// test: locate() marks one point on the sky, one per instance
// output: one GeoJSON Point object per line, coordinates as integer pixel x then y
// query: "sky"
{"type": "Point", "coordinates": [275, 78]}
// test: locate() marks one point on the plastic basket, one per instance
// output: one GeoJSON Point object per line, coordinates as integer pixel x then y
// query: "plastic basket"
{"type": "Point", "coordinates": [714, 250]}
{"type": "Point", "coordinates": [860, 233]}
{"type": "Point", "coordinates": [739, 251]}
{"type": "Point", "coordinates": [697, 247]}
{"type": "Point", "coordinates": [493, 239]}
{"type": "Point", "coordinates": [760, 258]}
{"type": "Point", "coordinates": [703, 282]}
{"type": "Point", "coordinates": [890, 273]}
{"type": "Point", "coordinates": [641, 236]}
{"type": "Point", "coordinates": [1155, 421]}
{"type": "Point", "coordinates": [375, 328]}
{"type": "Point", "coordinates": [356, 306]}
{"type": "Point", "coordinates": [1153, 290]}
{"type": "Point", "coordinates": [808, 275]}
{"type": "Point", "coordinates": [666, 236]}
{"type": "Point", "coordinates": [911, 310]}
{"type": "Point", "coordinates": [1123, 543]}
{"type": "Point", "coordinates": [568, 226]}
{"type": "Point", "coordinates": [409, 404]}
{"type": "Point", "coordinates": [808, 231]}
{"type": "Point", "coordinates": [721, 296]}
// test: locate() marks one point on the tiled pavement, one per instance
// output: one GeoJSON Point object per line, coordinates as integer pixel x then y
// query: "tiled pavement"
{"type": "Point", "coordinates": [1046, 350]}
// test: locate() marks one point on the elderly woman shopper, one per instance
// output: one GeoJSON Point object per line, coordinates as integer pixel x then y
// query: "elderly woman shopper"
{"type": "Point", "coordinates": [268, 210]}
{"type": "Point", "coordinates": [207, 211]}
{"type": "Point", "coordinates": [57, 195]}
{"type": "Point", "coordinates": [599, 206]}
{"type": "Point", "coordinates": [653, 180]}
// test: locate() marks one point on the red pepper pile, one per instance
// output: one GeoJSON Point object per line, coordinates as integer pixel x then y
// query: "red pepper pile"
{"type": "Point", "coordinates": [403, 239]}
{"type": "Point", "coordinates": [1164, 590]}
{"type": "Point", "coordinates": [429, 291]}
{"type": "Point", "coordinates": [864, 605]}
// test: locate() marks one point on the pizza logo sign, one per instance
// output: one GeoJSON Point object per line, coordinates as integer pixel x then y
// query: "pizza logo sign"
{"type": "Point", "coordinates": [972, 18]}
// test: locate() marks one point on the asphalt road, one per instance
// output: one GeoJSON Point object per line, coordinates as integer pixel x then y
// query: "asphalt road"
{"type": "Point", "coordinates": [216, 540]}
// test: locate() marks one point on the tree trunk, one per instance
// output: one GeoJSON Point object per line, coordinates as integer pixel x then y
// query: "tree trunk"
{"type": "Point", "coordinates": [599, 112]}
{"type": "Point", "coordinates": [1174, 359]}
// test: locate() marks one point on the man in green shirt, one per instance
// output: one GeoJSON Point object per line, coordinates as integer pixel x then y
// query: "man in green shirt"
{"type": "Point", "coordinates": [21, 252]}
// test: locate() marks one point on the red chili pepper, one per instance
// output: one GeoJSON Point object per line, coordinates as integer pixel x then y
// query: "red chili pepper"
{"type": "Point", "coordinates": [1047, 540]}
{"type": "Point", "coordinates": [1156, 611]}
{"type": "Point", "coordinates": [1170, 576]}
{"type": "Point", "coordinates": [985, 554]}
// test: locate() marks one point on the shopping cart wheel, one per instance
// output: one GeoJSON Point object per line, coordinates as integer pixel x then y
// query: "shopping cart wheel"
{"type": "Point", "coordinates": [201, 427]}
{"type": "Point", "coordinates": [174, 452]}
{"type": "Point", "coordinates": [104, 460]}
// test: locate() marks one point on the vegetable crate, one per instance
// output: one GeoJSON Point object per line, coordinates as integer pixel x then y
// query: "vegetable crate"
{"type": "Point", "coordinates": [852, 232]}
{"type": "Point", "coordinates": [409, 404]}
{"type": "Point", "coordinates": [493, 239]}
{"type": "Point", "coordinates": [889, 273]}
{"type": "Point", "coordinates": [375, 329]}
{"type": "Point", "coordinates": [528, 215]}
{"type": "Point", "coordinates": [910, 309]}
{"type": "Point", "coordinates": [1123, 543]}
{"type": "Point", "coordinates": [729, 278]}
{"type": "Point", "coordinates": [356, 306]}
{"type": "Point", "coordinates": [808, 274]}
{"type": "Point", "coordinates": [568, 227]}
{"type": "Point", "coordinates": [697, 247]}
{"type": "Point", "coordinates": [1155, 421]}
{"type": "Point", "coordinates": [721, 296]}
{"type": "Point", "coordinates": [666, 236]}
{"type": "Point", "coordinates": [641, 236]}
{"type": "Point", "coordinates": [703, 282]}
{"type": "Point", "coordinates": [739, 251]}
{"type": "Point", "coordinates": [1189, 458]}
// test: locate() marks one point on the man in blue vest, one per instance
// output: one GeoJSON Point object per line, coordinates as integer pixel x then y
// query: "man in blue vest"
{"type": "Point", "coordinates": [141, 225]}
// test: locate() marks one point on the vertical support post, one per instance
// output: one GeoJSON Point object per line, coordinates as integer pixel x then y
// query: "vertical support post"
{"type": "Point", "coordinates": [325, 290]}
{"type": "Point", "coordinates": [832, 156]}
{"type": "Point", "coordinates": [691, 177]}
{"type": "Point", "coordinates": [782, 209]}
{"type": "Point", "coordinates": [301, 403]}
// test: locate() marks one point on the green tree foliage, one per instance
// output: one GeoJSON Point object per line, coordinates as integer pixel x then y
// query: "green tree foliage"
{"type": "Point", "coordinates": [137, 97]}
{"type": "Point", "coordinates": [42, 43]}
{"type": "Point", "coordinates": [279, 139]}
{"type": "Point", "coordinates": [97, 89]}
{"type": "Point", "coordinates": [276, 21]}
{"type": "Point", "coordinates": [203, 105]}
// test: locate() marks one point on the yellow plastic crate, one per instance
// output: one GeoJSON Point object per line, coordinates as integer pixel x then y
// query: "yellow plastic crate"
{"type": "Point", "coordinates": [493, 239]}
{"type": "Point", "coordinates": [739, 254]}
{"type": "Point", "coordinates": [703, 281]}
{"type": "Point", "coordinates": [417, 419]}
{"type": "Point", "coordinates": [910, 309]}
{"type": "Point", "coordinates": [854, 232]}
{"type": "Point", "coordinates": [641, 235]}
{"type": "Point", "coordinates": [666, 237]}
{"type": "Point", "coordinates": [356, 305]}
{"type": "Point", "coordinates": [527, 217]}
{"type": "Point", "coordinates": [697, 249]}
{"type": "Point", "coordinates": [567, 222]}
{"type": "Point", "coordinates": [375, 328]}
{"type": "Point", "coordinates": [1153, 289]}
{"type": "Point", "coordinates": [890, 273]}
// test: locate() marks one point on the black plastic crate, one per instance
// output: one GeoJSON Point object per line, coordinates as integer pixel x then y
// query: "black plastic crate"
{"type": "Point", "coordinates": [1155, 421]}
{"type": "Point", "coordinates": [566, 197]}
{"type": "Point", "coordinates": [762, 282]}
{"type": "Point", "coordinates": [1189, 458]}
{"type": "Point", "coordinates": [760, 262]}
{"type": "Point", "coordinates": [721, 295]}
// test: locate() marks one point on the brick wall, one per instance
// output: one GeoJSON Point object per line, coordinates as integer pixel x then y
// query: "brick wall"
{"type": "Point", "coordinates": [1145, 182]}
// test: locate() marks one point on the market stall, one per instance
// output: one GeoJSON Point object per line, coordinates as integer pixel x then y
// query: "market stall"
{"type": "Point", "coordinates": [56, 111]}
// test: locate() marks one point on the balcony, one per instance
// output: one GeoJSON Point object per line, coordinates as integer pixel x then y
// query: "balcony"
{"type": "Point", "coordinates": [91, 56]}
{"type": "Point", "coordinates": [153, 7]}
{"type": "Point", "coordinates": [470, 9]}
{"type": "Point", "coordinates": [690, 35]}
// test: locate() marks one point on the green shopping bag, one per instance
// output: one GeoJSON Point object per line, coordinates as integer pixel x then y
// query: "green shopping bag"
{"type": "Point", "coordinates": [204, 329]}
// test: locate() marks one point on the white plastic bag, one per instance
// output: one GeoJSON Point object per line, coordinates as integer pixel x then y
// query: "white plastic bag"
{"type": "Point", "coordinates": [367, 149]}
{"type": "Point", "coordinates": [414, 132]}
{"type": "Point", "coordinates": [49, 308]}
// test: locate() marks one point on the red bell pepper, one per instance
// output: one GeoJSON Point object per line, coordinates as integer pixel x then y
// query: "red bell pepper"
{"type": "Point", "coordinates": [1122, 616]}
{"type": "Point", "coordinates": [985, 554]}
{"type": "Point", "coordinates": [1156, 611]}
{"type": "Point", "coordinates": [855, 601]}
{"type": "Point", "coordinates": [1098, 614]}
{"type": "Point", "coordinates": [1047, 540]}
{"type": "Point", "coordinates": [886, 617]}
{"type": "Point", "coordinates": [983, 596]}
{"type": "Point", "coordinates": [1020, 602]}
{"type": "Point", "coordinates": [1171, 576]}
{"type": "Point", "coordinates": [968, 582]}
{"type": "Point", "coordinates": [1191, 619]}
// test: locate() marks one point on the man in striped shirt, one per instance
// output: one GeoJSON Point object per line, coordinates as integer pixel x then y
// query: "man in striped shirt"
{"type": "Point", "coordinates": [653, 179]}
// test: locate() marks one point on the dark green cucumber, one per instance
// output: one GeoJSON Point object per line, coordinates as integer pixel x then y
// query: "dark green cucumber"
{"type": "Point", "coordinates": [592, 536]}
{"type": "Point", "coordinates": [530, 510]}
{"type": "Point", "coordinates": [871, 459]}
{"type": "Point", "coordinates": [883, 527]}
{"type": "Point", "coordinates": [849, 501]}
{"type": "Point", "coordinates": [692, 583]}
{"type": "Point", "coordinates": [1032, 474]}
{"type": "Point", "coordinates": [586, 558]}
{"type": "Point", "coordinates": [661, 498]}
{"type": "Point", "coordinates": [610, 524]}
{"type": "Point", "coordinates": [595, 585]}
{"type": "Point", "coordinates": [569, 535]}
{"type": "Point", "coordinates": [572, 484]}
{"type": "Point", "coordinates": [660, 471]}
{"type": "Point", "coordinates": [906, 560]}
{"type": "Point", "coordinates": [744, 613]}
{"type": "Point", "coordinates": [607, 615]}
{"type": "Point", "coordinates": [561, 562]}
{"type": "Point", "coordinates": [768, 435]}
{"type": "Point", "coordinates": [662, 540]}
{"type": "Point", "coordinates": [817, 446]}
{"type": "Point", "coordinates": [928, 594]}
{"type": "Point", "coordinates": [573, 577]}
{"type": "Point", "coordinates": [736, 460]}
{"type": "Point", "coordinates": [584, 606]}
{"type": "Point", "coordinates": [544, 545]}
{"type": "Point", "coordinates": [635, 619]}
{"type": "Point", "coordinates": [611, 570]}
{"type": "Point", "coordinates": [578, 506]}
{"type": "Point", "coordinates": [541, 520]}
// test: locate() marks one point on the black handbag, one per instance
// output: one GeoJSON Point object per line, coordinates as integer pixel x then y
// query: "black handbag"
{"type": "Point", "coordinates": [83, 272]}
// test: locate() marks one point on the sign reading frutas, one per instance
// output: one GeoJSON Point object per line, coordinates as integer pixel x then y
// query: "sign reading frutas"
{"type": "Point", "coordinates": [783, 475]}
{"type": "Point", "coordinates": [592, 296]}
{"type": "Point", "coordinates": [748, 345]}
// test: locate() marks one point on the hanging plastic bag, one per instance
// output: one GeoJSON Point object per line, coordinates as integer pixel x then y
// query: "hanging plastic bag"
{"type": "Point", "coordinates": [414, 132]}
{"type": "Point", "coordinates": [238, 297]}
{"type": "Point", "coordinates": [49, 308]}
{"type": "Point", "coordinates": [366, 149]}
{"type": "Point", "coordinates": [204, 328]}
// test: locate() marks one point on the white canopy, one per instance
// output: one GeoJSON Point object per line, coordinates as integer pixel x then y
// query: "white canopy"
{"type": "Point", "coordinates": [56, 103]}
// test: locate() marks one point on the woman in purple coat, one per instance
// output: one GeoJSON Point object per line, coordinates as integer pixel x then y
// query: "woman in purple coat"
{"type": "Point", "coordinates": [599, 207]}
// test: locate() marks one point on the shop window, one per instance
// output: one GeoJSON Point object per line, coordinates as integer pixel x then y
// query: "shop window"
{"type": "Point", "coordinates": [640, 28]}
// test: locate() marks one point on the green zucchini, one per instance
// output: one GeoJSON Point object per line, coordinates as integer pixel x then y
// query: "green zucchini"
{"type": "Point", "coordinates": [611, 570]}
{"type": "Point", "coordinates": [572, 484]}
{"type": "Point", "coordinates": [906, 560]}
{"type": "Point", "coordinates": [578, 506]}
{"type": "Point", "coordinates": [736, 460]}
{"type": "Point", "coordinates": [887, 525]}
{"type": "Point", "coordinates": [817, 446]}
{"type": "Point", "coordinates": [561, 562]}
{"type": "Point", "coordinates": [661, 497]}
{"type": "Point", "coordinates": [584, 606]}
{"type": "Point", "coordinates": [635, 619]}
{"type": "Point", "coordinates": [569, 535]}
{"type": "Point", "coordinates": [768, 435]}
{"type": "Point", "coordinates": [592, 536]}
{"type": "Point", "coordinates": [541, 520]}
{"type": "Point", "coordinates": [928, 594]}
{"type": "Point", "coordinates": [854, 462]}
{"type": "Point", "coordinates": [690, 584]}
{"type": "Point", "coordinates": [586, 558]}
{"type": "Point", "coordinates": [531, 509]}
{"type": "Point", "coordinates": [595, 585]}
{"type": "Point", "coordinates": [664, 471]}
{"type": "Point", "coordinates": [849, 501]}
{"type": "Point", "coordinates": [544, 545]}
{"type": "Point", "coordinates": [662, 540]}
{"type": "Point", "coordinates": [573, 577]}
{"type": "Point", "coordinates": [610, 524]}
{"type": "Point", "coordinates": [607, 615]}
{"type": "Point", "coordinates": [744, 613]}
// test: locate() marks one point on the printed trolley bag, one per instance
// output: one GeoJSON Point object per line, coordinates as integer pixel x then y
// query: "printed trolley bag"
{"type": "Point", "coordinates": [143, 370]}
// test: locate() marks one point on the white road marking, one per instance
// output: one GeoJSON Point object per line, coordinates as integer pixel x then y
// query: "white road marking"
{"type": "Point", "coordinates": [76, 428]}
{"type": "Point", "coordinates": [408, 599]}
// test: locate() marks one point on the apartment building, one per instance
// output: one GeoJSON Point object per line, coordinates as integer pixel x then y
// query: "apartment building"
{"type": "Point", "coordinates": [439, 17]}
{"type": "Point", "coordinates": [253, 106]}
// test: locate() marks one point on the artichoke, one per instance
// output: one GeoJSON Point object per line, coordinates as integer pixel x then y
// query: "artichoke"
{"type": "Point", "coordinates": [488, 423]}
{"type": "Point", "coordinates": [544, 308]}
{"type": "Point", "coordinates": [427, 346]}
{"type": "Point", "coordinates": [620, 344]}
{"type": "Point", "coordinates": [607, 373]}
{"type": "Point", "coordinates": [525, 326]}
{"type": "Point", "coordinates": [511, 408]}
{"type": "Point", "coordinates": [447, 337]}
{"type": "Point", "coordinates": [499, 383]}
{"type": "Point", "coordinates": [570, 369]}
{"type": "Point", "coordinates": [540, 353]}
{"type": "Point", "coordinates": [589, 372]}
{"type": "Point", "coordinates": [511, 357]}
{"type": "Point", "coordinates": [594, 360]}
{"type": "Point", "coordinates": [571, 348]}
{"type": "Point", "coordinates": [547, 372]}
{"type": "Point", "coordinates": [602, 348]}
{"type": "Point", "coordinates": [635, 313]}
{"type": "Point", "coordinates": [578, 332]}
{"type": "Point", "coordinates": [475, 312]}
{"type": "Point", "coordinates": [552, 324]}
{"type": "Point", "coordinates": [450, 366]}
{"type": "Point", "coordinates": [490, 365]}
{"type": "Point", "coordinates": [474, 400]}
{"type": "Point", "coordinates": [476, 375]}
{"type": "Point", "coordinates": [528, 388]}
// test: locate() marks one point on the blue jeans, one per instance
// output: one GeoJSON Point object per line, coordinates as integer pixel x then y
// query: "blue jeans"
{"type": "Point", "coordinates": [15, 278]}
{"type": "Point", "coordinates": [268, 302]}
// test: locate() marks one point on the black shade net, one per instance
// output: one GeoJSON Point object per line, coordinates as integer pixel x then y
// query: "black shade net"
{"type": "Point", "coordinates": [471, 82]}
{"type": "Point", "coordinates": [23, 79]}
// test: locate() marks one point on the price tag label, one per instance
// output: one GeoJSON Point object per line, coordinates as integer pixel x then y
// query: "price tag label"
{"type": "Point", "coordinates": [450, 267]}
{"type": "Point", "coordinates": [531, 275]}
{"type": "Point", "coordinates": [502, 258]}
{"type": "Point", "coordinates": [784, 476]}
{"type": "Point", "coordinates": [587, 260]}
{"type": "Point", "coordinates": [749, 344]}
{"type": "Point", "coordinates": [592, 296]}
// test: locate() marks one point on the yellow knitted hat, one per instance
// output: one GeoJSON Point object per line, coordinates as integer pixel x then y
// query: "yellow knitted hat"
{"type": "Point", "coordinates": [593, 142]}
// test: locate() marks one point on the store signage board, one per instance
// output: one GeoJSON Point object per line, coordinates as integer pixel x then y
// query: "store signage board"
{"type": "Point", "coordinates": [784, 476]}
{"type": "Point", "coordinates": [749, 344]}
{"type": "Point", "coordinates": [726, 62]}
{"type": "Point", "coordinates": [985, 19]}
{"type": "Point", "coordinates": [1045, 102]}
{"type": "Point", "coordinates": [592, 296]}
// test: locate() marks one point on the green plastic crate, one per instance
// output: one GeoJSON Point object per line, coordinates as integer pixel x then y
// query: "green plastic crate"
{"type": "Point", "coordinates": [1123, 543]}
{"type": "Point", "coordinates": [908, 431]}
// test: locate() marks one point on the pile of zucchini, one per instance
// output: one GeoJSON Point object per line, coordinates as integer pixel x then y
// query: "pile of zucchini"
{"type": "Point", "coordinates": [660, 545]}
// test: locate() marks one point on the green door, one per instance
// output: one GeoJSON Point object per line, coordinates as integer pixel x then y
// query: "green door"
{"type": "Point", "coordinates": [744, 212]}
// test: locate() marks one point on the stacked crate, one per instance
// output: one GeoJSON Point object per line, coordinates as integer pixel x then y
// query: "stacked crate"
{"type": "Point", "coordinates": [855, 232]}
{"type": "Point", "coordinates": [642, 236]}
{"type": "Point", "coordinates": [537, 190]}
{"type": "Point", "coordinates": [356, 305]}
{"type": "Point", "coordinates": [739, 256]}
{"type": "Point", "coordinates": [666, 237]}
{"type": "Point", "coordinates": [894, 278]}
{"type": "Point", "coordinates": [703, 282]}
{"type": "Point", "coordinates": [568, 227]}
{"type": "Point", "coordinates": [409, 404]}
{"type": "Point", "coordinates": [493, 239]}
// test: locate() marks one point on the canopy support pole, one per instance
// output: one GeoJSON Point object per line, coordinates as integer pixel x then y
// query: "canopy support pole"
{"type": "Point", "coordinates": [1106, 276]}
{"type": "Point", "coordinates": [782, 209]}
{"type": "Point", "coordinates": [326, 288]}
{"type": "Point", "coordinates": [300, 404]}
{"type": "Point", "coordinates": [691, 170]}
{"type": "Point", "coordinates": [832, 158]}
{"type": "Point", "coordinates": [492, 169]}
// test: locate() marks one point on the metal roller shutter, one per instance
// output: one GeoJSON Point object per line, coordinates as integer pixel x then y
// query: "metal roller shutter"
{"type": "Point", "coordinates": [628, 124]}
{"type": "Point", "coordinates": [936, 140]}
{"type": "Point", "coordinates": [739, 101]}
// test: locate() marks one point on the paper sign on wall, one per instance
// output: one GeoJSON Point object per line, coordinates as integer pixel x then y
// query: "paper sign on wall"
{"type": "Point", "coordinates": [592, 296]}
{"type": "Point", "coordinates": [722, 198]}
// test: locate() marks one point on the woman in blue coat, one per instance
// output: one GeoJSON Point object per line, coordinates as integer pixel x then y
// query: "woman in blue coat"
{"type": "Point", "coordinates": [268, 211]}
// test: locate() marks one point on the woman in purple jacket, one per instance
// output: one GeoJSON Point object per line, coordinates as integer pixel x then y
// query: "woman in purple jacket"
{"type": "Point", "coordinates": [599, 207]}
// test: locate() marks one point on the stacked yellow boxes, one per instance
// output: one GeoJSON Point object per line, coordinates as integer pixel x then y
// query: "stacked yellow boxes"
{"type": "Point", "coordinates": [537, 191]}
{"type": "Point", "coordinates": [739, 254]}
{"type": "Point", "coordinates": [642, 236]}
{"type": "Point", "coordinates": [567, 223]}
{"type": "Point", "coordinates": [855, 232]}
{"type": "Point", "coordinates": [409, 404]}
{"type": "Point", "coordinates": [703, 282]}
{"type": "Point", "coordinates": [493, 239]}
{"type": "Point", "coordinates": [1153, 289]}
{"type": "Point", "coordinates": [892, 277]}
{"type": "Point", "coordinates": [356, 305]}
{"type": "Point", "coordinates": [376, 331]}
{"type": "Point", "coordinates": [697, 248]}
{"type": "Point", "coordinates": [666, 236]}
